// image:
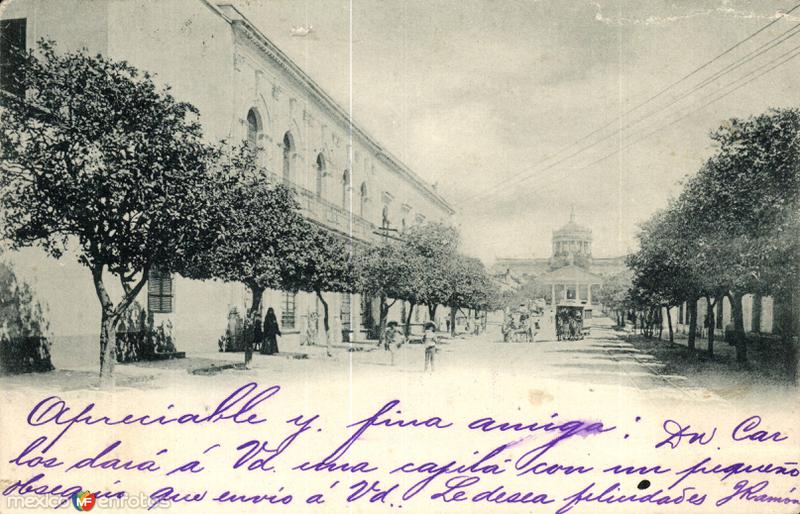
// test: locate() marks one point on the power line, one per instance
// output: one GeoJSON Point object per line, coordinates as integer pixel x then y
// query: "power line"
{"type": "Point", "coordinates": [726, 70]}
{"type": "Point", "coordinates": [743, 60]}
{"type": "Point", "coordinates": [703, 102]}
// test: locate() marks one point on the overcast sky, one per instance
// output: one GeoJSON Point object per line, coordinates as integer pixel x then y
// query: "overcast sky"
{"type": "Point", "coordinates": [471, 94]}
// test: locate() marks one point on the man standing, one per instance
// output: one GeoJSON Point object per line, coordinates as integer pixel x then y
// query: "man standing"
{"type": "Point", "coordinates": [429, 340]}
{"type": "Point", "coordinates": [392, 339]}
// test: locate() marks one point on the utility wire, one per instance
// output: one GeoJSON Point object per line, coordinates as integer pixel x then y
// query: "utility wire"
{"type": "Point", "coordinates": [728, 69]}
{"type": "Point", "coordinates": [703, 103]}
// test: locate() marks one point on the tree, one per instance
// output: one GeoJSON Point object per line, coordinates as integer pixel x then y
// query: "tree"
{"type": "Point", "coordinates": [734, 228]}
{"type": "Point", "coordinates": [430, 251]}
{"type": "Point", "coordinates": [383, 271]}
{"type": "Point", "coordinates": [470, 287]}
{"type": "Point", "coordinates": [745, 202]}
{"type": "Point", "coordinates": [329, 267]}
{"type": "Point", "coordinates": [613, 296]}
{"type": "Point", "coordinates": [96, 159]}
{"type": "Point", "coordinates": [262, 241]}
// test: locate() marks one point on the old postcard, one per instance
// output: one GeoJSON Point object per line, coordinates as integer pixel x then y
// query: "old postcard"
{"type": "Point", "coordinates": [371, 256]}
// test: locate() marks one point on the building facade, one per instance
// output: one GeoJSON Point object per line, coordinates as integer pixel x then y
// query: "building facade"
{"type": "Point", "coordinates": [571, 272]}
{"type": "Point", "coordinates": [245, 87]}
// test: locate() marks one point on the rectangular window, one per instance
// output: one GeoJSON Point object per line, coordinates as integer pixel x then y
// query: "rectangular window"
{"type": "Point", "coordinates": [160, 292]}
{"type": "Point", "coordinates": [288, 309]}
{"type": "Point", "coordinates": [680, 314]}
{"type": "Point", "coordinates": [346, 310]}
{"type": "Point", "coordinates": [12, 42]}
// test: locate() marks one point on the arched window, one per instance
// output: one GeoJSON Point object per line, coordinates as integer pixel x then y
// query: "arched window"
{"type": "Point", "coordinates": [253, 128]}
{"type": "Point", "coordinates": [288, 156]}
{"type": "Point", "coordinates": [362, 205]}
{"type": "Point", "coordinates": [385, 222]}
{"type": "Point", "coordinates": [320, 174]}
{"type": "Point", "coordinates": [345, 188]}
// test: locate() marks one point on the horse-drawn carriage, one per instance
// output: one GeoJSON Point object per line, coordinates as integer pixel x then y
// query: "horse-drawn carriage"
{"type": "Point", "coordinates": [573, 321]}
{"type": "Point", "coordinates": [520, 326]}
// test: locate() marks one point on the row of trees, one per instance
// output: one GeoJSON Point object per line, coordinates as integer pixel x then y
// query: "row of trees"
{"type": "Point", "coordinates": [424, 267]}
{"type": "Point", "coordinates": [97, 161]}
{"type": "Point", "coordinates": [733, 230]}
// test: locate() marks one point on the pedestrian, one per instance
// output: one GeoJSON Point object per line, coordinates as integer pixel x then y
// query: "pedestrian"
{"type": "Point", "coordinates": [393, 339]}
{"type": "Point", "coordinates": [429, 340]}
{"type": "Point", "coordinates": [258, 333]}
{"type": "Point", "coordinates": [312, 329]}
{"type": "Point", "coordinates": [271, 333]}
{"type": "Point", "coordinates": [249, 336]}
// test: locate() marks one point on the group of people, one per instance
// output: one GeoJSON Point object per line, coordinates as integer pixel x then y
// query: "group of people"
{"type": "Point", "coordinates": [393, 339]}
{"type": "Point", "coordinates": [265, 336]}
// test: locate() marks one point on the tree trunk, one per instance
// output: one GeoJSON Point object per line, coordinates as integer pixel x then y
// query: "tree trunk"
{"type": "Point", "coordinates": [109, 317]}
{"type": "Point", "coordinates": [453, 311]}
{"type": "Point", "coordinates": [711, 324]}
{"type": "Point", "coordinates": [408, 319]}
{"type": "Point", "coordinates": [432, 313]}
{"type": "Point", "coordinates": [739, 338]}
{"type": "Point", "coordinates": [660, 321]}
{"type": "Point", "coordinates": [669, 325]}
{"type": "Point", "coordinates": [691, 306]}
{"type": "Point", "coordinates": [108, 345]}
{"type": "Point", "coordinates": [257, 293]}
{"type": "Point", "coordinates": [384, 313]}
{"type": "Point", "coordinates": [325, 322]}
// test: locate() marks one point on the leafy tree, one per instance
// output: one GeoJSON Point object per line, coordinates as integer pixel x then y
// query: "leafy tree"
{"type": "Point", "coordinates": [744, 202]}
{"type": "Point", "coordinates": [431, 250]}
{"type": "Point", "coordinates": [263, 241]}
{"type": "Point", "coordinates": [329, 267]}
{"type": "Point", "coordinates": [469, 287]}
{"type": "Point", "coordinates": [734, 228]}
{"type": "Point", "coordinates": [613, 295]}
{"type": "Point", "coordinates": [383, 271]}
{"type": "Point", "coordinates": [96, 159]}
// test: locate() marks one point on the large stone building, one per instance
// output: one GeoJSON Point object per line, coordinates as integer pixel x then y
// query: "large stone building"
{"type": "Point", "coordinates": [245, 88]}
{"type": "Point", "coordinates": [571, 272]}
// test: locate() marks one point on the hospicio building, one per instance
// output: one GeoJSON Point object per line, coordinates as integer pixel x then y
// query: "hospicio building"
{"type": "Point", "coordinates": [245, 87]}
{"type": "Point", "coordinates": [571, 272]}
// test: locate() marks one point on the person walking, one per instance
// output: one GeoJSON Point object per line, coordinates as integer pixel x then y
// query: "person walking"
{"type": "Point", "coordinates": [393, 339]}
{"type": "Point", "coordinates": [258, 333]}
{"type": "Point", "coordinates": [429, 340]}
{"type": "Point", "coordinates": [271, 333]}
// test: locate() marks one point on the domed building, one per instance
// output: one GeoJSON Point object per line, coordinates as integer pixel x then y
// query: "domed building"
{"type": "Point", "coordinates": [572, 244]}
{"type": "Point", "coordinates": [571, 272]}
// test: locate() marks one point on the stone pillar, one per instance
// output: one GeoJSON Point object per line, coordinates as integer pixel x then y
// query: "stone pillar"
{"type": "Point", "coordinates": [589, 294]}
{"type": "Point", "coordinates": [577, 292]}
{"type": "Point", "coordinates": [553, 294]}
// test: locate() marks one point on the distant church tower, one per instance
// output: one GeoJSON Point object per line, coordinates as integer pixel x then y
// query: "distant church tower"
{"type": "Point", "coordinates": [572, 244]}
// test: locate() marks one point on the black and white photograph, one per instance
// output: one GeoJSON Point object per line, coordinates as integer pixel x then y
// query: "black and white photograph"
{"type": "Point", "coordinates": [400, 256]}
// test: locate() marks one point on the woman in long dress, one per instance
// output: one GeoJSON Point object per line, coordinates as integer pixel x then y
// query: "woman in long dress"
{"type": "Point", "coordinates": [271, 333]}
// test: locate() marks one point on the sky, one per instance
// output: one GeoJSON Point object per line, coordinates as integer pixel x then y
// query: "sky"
{"type": "Point", "coordinates": [493, 100]}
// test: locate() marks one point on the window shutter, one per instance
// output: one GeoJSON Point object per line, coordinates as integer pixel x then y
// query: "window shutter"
{"type": "Point", "coordinates": [160, 292]}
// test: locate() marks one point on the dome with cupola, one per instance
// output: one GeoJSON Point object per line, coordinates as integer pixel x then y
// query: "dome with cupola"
{"type": "Point", "coordinates": [572, 243]}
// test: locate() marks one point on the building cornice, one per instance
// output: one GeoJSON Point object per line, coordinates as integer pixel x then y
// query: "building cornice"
{"type": "Point", "coordinates": [246, 29]}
